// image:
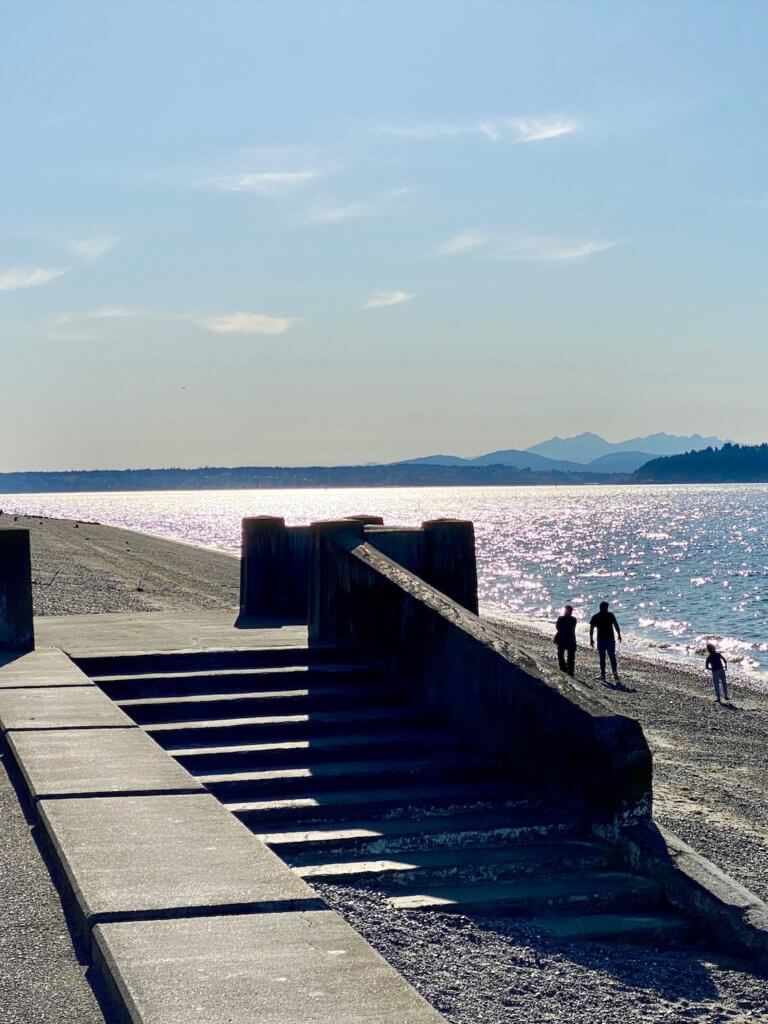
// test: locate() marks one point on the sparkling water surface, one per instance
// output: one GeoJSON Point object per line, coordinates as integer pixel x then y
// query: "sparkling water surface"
{"type": "Point", "coordinates": [679, 564]}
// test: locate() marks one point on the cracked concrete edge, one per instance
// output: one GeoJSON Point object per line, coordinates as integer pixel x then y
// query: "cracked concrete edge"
{"type": "Point", "coordinates": [734, 919]}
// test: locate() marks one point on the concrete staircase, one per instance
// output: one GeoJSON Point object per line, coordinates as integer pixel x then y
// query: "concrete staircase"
{"type": "Point", "coordinates": [338, 771]}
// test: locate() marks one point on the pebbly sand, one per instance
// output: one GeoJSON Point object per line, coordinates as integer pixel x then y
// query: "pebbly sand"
{"type": "Point", "coordinates": [710, 782]}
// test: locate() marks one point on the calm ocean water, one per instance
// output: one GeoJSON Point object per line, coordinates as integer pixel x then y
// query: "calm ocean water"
{"type": "Point", "coordinates": [679, 564]}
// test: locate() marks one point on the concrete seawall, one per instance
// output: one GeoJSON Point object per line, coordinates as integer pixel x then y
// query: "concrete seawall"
{"type": "Point", "coordinates": [537, 724]}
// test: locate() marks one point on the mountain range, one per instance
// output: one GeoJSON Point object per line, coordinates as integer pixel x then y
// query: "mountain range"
{"type": "Point", "coordinates": [584, 453]}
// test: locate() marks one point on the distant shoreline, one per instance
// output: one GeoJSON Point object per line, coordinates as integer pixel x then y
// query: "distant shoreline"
{"type": "Point", "coordinates": [285, 477]}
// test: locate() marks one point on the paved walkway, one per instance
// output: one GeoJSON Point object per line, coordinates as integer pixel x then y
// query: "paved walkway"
{"type": "Point", "coordinates": [82, 636]}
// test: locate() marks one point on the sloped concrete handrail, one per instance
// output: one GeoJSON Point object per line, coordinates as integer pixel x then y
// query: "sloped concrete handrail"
{"type": "Point", "coordinates": [536, 723]}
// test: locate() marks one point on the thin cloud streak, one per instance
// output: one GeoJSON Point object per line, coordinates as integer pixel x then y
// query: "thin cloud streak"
{"type": "Point", "coordinates": [265, 183]}
{"type": "Point", "coordinates": [381, 299]}
{"type": "Point", "coordinates": [464, 242]}
{"type": "Point", "coordinates": [499, 129]}
{"type": "Point", "coordinates": [325, 211]}
{"type": "Point", "coordinates": [247, 323]}
{"type": "Point", "coordinates": [520, 247]}
{"type": "Point", "coordinates": [92, 248]}
{"type": "Point", "coordinates": [15, 278]}
{"type": "Point", "coordinates": [104, 313]}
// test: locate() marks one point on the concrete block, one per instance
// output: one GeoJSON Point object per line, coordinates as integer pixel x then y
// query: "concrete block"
{"type": "Point", "coordinates": [16, 629]}
{"type": "Point", "coordinates": [450, 564]}
{"type": "Point", "coordinates": [93, 762]}
{"type": "Point", "coordinates": [274, 568]}
{"type": "Point", "coordinates": [47, 666]}
{"type": "Point", "coordinates": [289, 968]}
{"type": "Point", "coordinates": [60, 707]}
{"type": "Point", "coordinates": [161, 856]}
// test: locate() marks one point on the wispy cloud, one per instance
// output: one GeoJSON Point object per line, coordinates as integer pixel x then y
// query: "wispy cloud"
{"type": "Point", "coordinates": [462, 243]}
{"type": "Point", "coordinates": [92, 248]}
{"type": "Point", "coordinates": [104, 313]}
{"type": "Point", "coordinates": [495, 129]}
{"type": "Point", "coordinates": [521, 247]}
{"type": "Point", "coordinates": [380, 299]}
{"type": "Point", "coordinates": [247, 323]}
{"type": "Point", "coordinates": [327, 211]}
{"type": "Point", "coordinates": [15, 278]}
{"type": "Point", "coordinates": [265, 183]}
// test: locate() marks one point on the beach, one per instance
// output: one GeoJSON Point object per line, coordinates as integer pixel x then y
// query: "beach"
{"type": "Point", "coordinates": [710, 787]}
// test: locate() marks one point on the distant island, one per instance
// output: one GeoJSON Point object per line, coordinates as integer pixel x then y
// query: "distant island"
{"type": "Point", "coordinates": [730, 464]}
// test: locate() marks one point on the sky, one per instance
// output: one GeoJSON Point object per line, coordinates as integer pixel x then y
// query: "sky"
{"type": "Point", "coordinates": [294, 233]}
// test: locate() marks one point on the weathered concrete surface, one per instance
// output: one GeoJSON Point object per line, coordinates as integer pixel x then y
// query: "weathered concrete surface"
{"type": "Point", "coordinates": [540, 726]}
{"type": "Point", "coordinates": [288, 968]}
{"type": "Point", "coordinates": [60, 707]}
{"type": "Point", "coordinates": [89, 762]}
{"type": "Point", "coordinates": [16, 628]}
{"type": "Point", "coordinates": [123, 857]}
{"type": "Point", "coordinates": [44, 667]}
{"type": "Point", "coordinates": [88, 635]}
{"type": "Point", "coordinates": [735, 918]}
{"type": "Point", "coordinates": [41, 981]}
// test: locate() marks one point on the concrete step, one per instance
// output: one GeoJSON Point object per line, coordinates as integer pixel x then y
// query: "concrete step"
{"type": "Point", "coordinates": [341, 805]}
{"type": "Point", "coordinates": [275, 728]}
{"type": "Point", "coordinates": [239, 705]}
{"type": "Point", "coordinates": [331, 776]}
{"type": "Point", "coordinates": [303, 753]}
{"type": "Point", "coordinates": [587, 892]}
{"type": "Point", "coordinates": [366, 837]}
{"type": "Point", "coordinates": [467, 864]}
{"type": "Point", "coordinates": [215, 681]}
{"type": "Point", "coordinates": [198, 661]}
{"type": "Point", "coordinates": [663, 929]}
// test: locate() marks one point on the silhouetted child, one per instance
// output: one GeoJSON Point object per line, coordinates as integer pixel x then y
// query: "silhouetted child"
{"type": "Point", "coordinates": [717, 664]}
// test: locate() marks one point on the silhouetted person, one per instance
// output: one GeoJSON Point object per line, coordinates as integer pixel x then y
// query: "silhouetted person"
{"type": "Point", "coordinates": [717, 663]}
{"type": "Point", "coordinates": [565, 638]}
{"type": "Point", "coordinates": [608, 630]}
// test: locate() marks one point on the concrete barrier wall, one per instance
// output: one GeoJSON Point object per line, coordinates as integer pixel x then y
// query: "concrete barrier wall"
{"type": "Point", "coordinates": [274, 569]}
{"type": "Point", "coordinates": [274, 563]}
{"type": "Point", "coordinates": [537, 724]}
{"type": "Point", "coordinates": [16, 628]}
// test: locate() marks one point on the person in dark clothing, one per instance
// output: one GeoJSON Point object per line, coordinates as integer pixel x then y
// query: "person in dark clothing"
{"type": "Point", "coordinates": [608, 629]}
{"type": "Point", "coordinates": [565, 638]}
{"type": "Point", "coordinates": [717, 663]}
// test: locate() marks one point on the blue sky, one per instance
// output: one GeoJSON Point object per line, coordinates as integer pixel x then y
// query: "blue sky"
{"type": "Point", "coordinates": [325, 232]}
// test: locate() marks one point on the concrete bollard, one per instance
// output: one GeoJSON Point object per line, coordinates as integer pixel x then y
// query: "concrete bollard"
{"type": "Point", "coordinates": [326, 618]}
{"type": "Point", "coordinates": [366, 520]}
{"type": "Point", "coordinates": [450, 564]}
{"type": "Point", "coordinates": [16, 626]}
{"type": "Point", "coordinates": [274, 567]}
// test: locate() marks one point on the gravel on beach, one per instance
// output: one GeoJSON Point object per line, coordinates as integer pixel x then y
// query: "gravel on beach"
{"type": "Point", "coordinates": [710, 786]}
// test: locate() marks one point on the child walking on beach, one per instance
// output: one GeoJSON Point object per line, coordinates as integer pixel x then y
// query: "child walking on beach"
{"type": "Point", "coordinates": [717, 664]}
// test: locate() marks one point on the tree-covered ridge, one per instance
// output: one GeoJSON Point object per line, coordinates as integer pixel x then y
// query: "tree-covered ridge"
{"type": "Point", "coordinates": [733, 463]}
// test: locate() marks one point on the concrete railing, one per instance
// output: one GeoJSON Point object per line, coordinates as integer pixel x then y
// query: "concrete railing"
{"type": "Point", "coordinates": [274, 563]}
{"type": "Point", "coordinates": [16, 628]}
{"type": "Point", "coordinates": [538, 725]}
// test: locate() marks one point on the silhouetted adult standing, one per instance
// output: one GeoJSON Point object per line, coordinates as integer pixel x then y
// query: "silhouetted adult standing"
{"type": "Point", "coordinates": [565, 638]}
{"type": "Point", "coordinates": [608, 630]}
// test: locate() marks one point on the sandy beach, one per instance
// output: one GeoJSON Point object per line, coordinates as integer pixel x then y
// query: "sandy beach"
{"type": "Point", "coordinates": [710, 786]}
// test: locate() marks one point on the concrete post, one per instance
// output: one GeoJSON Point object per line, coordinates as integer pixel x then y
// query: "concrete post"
{"type": "Point", "coordinates": [450, 563]}
{"type": "Point", "coordinates": [261, 566]}
{"type": "Point", "coordinates": [16, 627]}
{"type": "Point", "coordinates": [326, 618]}
{"type": "Point", "coordinates": [366, 520]}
